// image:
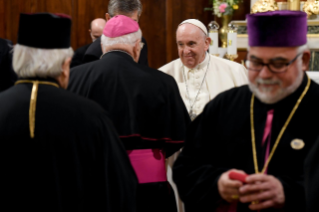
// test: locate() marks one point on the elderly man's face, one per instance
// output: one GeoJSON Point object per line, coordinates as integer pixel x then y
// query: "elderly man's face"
{"type": "Point", "coordinates": [192, 45]}
{"type": "Point", "coordinates": [271, 87]}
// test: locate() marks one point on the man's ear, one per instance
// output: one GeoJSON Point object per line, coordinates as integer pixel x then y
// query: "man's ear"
{"type": "Point", "coordinates": [305, 60]}
{"type": "Point", "coordinates": [63, 79]}
{"type": "Point", "coordinates": [107, 16]}
{"type": "Point", "coordinates": [208, 40]}
{"type": "Point", "coordinates": [137, 50]}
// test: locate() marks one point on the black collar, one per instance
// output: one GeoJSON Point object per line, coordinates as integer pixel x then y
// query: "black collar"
{"type": "Point", "coordinates": [117, 52]}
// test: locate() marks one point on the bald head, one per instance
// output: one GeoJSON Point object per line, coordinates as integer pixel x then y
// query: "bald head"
{"type": "Point", "coordinates": [97, 26]}
{"type": "Point", "coordinates": [192, 44]}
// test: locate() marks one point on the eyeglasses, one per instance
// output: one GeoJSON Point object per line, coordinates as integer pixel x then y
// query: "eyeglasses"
{"type": "Point", "coordinates": [275, 67]}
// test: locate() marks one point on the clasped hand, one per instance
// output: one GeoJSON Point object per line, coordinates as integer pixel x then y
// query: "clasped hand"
{"type": "Point", "coordinates": [261, 190]}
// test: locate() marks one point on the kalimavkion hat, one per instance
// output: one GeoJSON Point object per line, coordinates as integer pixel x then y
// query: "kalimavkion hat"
{"type": "Point", "coordinates": [45, 30]}
{"type": "Point", "coordinates": [277, 29]}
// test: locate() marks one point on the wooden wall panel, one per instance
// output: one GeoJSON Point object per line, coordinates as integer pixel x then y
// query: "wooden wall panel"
{"type": "Point", "coordinates": [2, 17]}
{"type": "Point", "coordinates": [13, 8]}
{"type": "Point", "coordinates": [158, 22]}
{"type": "Point", "coordinates": [84, 12]}
{"type": "Point", "coordinates": [152, 24]}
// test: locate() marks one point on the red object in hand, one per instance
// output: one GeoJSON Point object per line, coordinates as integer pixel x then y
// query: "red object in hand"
{"type": "Point", "coordinates": [238, 176]}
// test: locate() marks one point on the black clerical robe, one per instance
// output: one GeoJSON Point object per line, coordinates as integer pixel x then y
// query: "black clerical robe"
{"type": "Point", "coordinates": [220, 139]}
{"type": "Point", "coordinates": [7, 75]}
{"type": "Point", "coordinates": [78, 56]}
{"type": "Point", "coordinates": [94, 52]}
{"type": "Point", "coordinates": [312, 177]}
{"type": "Point", "coordinates": [146, 109]}
{"type": "Point", "coordinates": [75, 162]}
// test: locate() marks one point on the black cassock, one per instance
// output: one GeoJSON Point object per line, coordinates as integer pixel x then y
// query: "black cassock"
{"type": "Point", "coordinates": [312, 178]}
{"type": "Point", "coordinates": [220, 139]}
{"type": "Point", "coordinates": [7, 75]}
{"type": "Point", "coordinates": [75, 162]}
{"type": "Point", "coordinates": [146, 109]}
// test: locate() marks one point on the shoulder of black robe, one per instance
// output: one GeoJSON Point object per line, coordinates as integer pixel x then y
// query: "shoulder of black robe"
{"type": "Point", "coordinates": [75, 161]}
{"type": "Point", "coordinates": [7, 75]}
{"type": "Point", "coordinates": [94, 52]}
{"type": "Point", "coordinates": [219, 140]}
{"type": "Point", "coordinates": [78, 55]}
{"type": "Point", "coordinates": [312, 178]}
{"type": "Point", "coordinates": [144, 104]}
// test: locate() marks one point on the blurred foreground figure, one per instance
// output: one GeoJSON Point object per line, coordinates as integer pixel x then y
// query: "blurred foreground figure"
{"type": "Point", "coordinates": [60, 151]}
{"type": "Point", "coordinates": [263, 129]}
{"type": "Point", "coordinates": [144, 105]}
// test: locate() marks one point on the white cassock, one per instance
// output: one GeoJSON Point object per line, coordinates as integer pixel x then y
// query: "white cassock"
{"type": "Point", "coordinates": [221, 75]}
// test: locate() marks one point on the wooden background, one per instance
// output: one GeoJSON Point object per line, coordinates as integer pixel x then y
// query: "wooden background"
{"type": "Point", "coordinates": [158, 22]}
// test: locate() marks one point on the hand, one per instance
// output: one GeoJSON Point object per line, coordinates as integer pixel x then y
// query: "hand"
{"type": "Point", "coordinates": [229, 189]}
{"type": "Point", "coordinates": [265, 190]}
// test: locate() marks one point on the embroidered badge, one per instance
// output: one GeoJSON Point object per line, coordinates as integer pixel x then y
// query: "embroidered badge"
{"type": "Point", "coordinates": [297, 144]}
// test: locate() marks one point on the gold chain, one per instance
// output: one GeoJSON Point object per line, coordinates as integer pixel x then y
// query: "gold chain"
{"type": "Point", "coordinates": [33, 100]}
{"type": "Point", "coordinates": [280, 134]}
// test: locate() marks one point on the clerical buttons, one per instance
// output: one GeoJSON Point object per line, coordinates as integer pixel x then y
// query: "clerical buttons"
{"type": "Point", "coordinates": [297, 144]}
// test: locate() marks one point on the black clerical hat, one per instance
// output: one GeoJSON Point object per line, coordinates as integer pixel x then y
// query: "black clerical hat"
{"type": "Point", "coordinates": [45, 30]}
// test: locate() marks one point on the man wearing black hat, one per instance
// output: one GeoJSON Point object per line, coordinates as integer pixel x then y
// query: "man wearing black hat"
{"type": "Point", "coordinates": [60, 151]}
{"type": "Point", "coordinates": [246, 151]}
{"type": "Point", "coordinates": [129, 8]}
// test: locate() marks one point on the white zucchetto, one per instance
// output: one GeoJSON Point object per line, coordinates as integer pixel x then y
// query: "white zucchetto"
{"type": "Point", "coordinates": [197, 23]}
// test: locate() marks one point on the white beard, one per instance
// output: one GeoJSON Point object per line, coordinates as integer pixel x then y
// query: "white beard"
{"type": "Point", "coordinates": [265, 95]}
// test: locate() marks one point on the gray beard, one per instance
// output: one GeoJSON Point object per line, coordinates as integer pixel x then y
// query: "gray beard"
{"type": "Point", "coordinates": [279, 95]}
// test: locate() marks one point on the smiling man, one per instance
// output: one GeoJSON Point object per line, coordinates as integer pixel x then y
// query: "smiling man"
{"type": "Point", "coordinates": [263, 130]}
{"type": "Point", "coordinates": [199, 75]}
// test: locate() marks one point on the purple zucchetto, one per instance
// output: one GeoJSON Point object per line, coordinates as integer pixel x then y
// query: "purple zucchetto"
{"type": "Point", "coordinates": [277, 29]}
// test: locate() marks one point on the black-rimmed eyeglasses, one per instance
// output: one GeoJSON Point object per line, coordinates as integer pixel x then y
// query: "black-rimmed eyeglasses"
{"type": "Point", "coordinates": [275, 67]}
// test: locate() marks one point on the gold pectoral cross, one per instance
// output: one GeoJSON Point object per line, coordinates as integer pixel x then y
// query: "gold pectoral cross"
{"type": "Point", "coordinates": [211, 42]}
{"type": "Point", "coordinates": [230, 42]}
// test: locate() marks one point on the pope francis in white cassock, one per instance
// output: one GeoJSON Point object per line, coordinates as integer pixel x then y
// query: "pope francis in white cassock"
{"type": "Point", "coordinates": [199, 75]}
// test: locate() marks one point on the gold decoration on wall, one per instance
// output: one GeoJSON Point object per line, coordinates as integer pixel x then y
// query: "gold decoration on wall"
{"type": "Point", "coordinates": [311, 7]}
{"type": "Point", "coordinates": [264, 6]}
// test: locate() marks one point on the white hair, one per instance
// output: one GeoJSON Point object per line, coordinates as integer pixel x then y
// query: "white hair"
{"type": "Point", "coordinates": [34, 62]}
{"type": "Point", "coordinates": [129, 39]}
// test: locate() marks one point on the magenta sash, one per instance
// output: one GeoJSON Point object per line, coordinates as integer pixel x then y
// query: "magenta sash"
{"type": "Point", "coordinates": [149, 165]}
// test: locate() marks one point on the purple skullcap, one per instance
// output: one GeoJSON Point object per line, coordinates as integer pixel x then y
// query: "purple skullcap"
{"type": "Point", "coordinates": [277, 29]}
{"type": "Point", "coordinates": [120, 25]}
